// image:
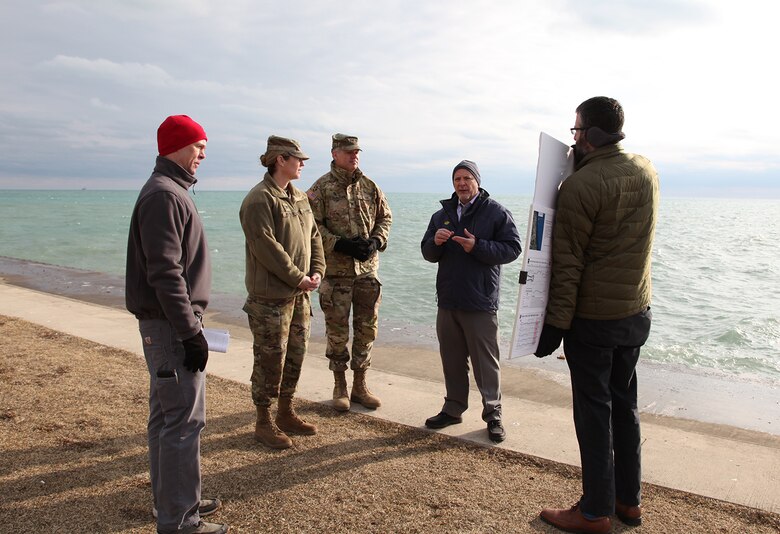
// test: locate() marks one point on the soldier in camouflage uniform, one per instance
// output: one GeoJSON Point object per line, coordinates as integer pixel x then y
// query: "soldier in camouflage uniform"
{"type": "Point", "coordinates": [284, 262]}
{"type": "Point", "coordinates": [354, 220]}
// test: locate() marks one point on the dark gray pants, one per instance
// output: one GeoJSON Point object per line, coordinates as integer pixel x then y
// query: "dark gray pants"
{"type": "Point", "coordinates": [602, 357]}
{"type": "Point", "coordinates": [177, 414]}
{"type": "Point", "coordinates": [463, 335]}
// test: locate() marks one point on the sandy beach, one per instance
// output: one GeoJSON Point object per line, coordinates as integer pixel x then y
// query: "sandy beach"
{"type": "Point", "coordinates": [683, 457]}
{"type": "Point", "coordinates": [73, 418]}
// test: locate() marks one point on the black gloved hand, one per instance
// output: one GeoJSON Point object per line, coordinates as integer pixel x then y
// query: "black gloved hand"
{"type": "Point", "coordinates": [549, 340]}
{"type": "Point", "coordinates": [350, 247]}
{"type": "Point", "coordinates": [367, 247]}
{"type": "Point", "coordinates": [196, 352]}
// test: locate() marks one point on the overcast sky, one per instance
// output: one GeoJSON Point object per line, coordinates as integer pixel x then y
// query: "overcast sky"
{"type": "Point", "coordinates": [424, 84]}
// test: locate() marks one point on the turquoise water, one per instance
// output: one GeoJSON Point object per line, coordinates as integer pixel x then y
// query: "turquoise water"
{"type": "Point", "coordinates": [716, 271]}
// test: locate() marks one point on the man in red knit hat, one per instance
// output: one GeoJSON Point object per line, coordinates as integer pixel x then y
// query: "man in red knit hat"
{"type": "Point", "coordinates": [168, 282]}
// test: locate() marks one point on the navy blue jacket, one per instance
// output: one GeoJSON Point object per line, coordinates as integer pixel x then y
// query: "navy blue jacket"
{"type": "Point", "coordinates": [471, 281]}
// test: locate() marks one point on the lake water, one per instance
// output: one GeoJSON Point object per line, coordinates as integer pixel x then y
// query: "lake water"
{"type": "Point", "coordinates": [716, 270]}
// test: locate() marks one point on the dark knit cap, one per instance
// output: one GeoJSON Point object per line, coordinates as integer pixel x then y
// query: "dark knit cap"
{"type": "Point", "coordinates": [469, 166]}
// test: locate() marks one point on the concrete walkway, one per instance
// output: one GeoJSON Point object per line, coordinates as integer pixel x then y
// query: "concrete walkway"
{"type": "Point", "coordinates": [721, 462]}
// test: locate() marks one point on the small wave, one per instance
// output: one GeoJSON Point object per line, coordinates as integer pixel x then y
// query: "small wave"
{"type": "Point", "coordinates": [734, 337]}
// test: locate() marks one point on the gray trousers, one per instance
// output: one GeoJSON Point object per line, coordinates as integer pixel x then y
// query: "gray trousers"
{"type": "Point", "coordinates": [463, 335]}
{"type": "Point", "coordinates": [177, 414]}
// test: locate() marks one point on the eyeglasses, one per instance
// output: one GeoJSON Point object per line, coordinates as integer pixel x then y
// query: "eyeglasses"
{"type": "Point", "coordinates": [575, 130]}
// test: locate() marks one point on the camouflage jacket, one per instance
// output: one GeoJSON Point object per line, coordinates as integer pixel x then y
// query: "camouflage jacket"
{"type": "Point", "coordinates": [282, 241]}
{"type": "Point", "coordinates": [349, 206]}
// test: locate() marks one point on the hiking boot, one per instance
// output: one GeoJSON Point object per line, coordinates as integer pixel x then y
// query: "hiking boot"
{"type": "Point", "coordinates": [203, 528]}
{"type": "Point", "coordinates": [340, 395]}
{"type": "Point", "coordinates": [288, 421]}
{"type": "Point", "coordinates": [206, 507]}
{"type": "Point", "coordinates": [267, 433]}
{"type": "Point", "coordinates": [209, 528]}
{"type": "Point", "coordinates": [360, 392]}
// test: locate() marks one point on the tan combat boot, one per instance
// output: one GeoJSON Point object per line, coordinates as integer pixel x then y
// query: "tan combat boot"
{"type": "Point", "coordinates": [288, 421]}
{"type": "Point", "coordinates": [267, 433]}
{"type": "Point", "coordinates": [360, 392]}
{"type": "Point", "coordinates": [340, 395]}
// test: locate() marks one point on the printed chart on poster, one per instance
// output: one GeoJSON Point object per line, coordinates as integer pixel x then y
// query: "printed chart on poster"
{"type": "Point", "coordinates": [556, 162]}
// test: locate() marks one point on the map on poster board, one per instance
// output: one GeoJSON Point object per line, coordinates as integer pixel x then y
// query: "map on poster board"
{"type": "Point", "coordinates": [555, 164]}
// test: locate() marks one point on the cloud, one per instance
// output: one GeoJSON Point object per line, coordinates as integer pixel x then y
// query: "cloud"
{"type": "Point", "coordinates": [122, 73]}
{"type": "Point", "coordinates": [97, 103]}
{"type": "Point", "coordinates": [631, 16]}
{"type": "Point", "coordinates": [423, 84]}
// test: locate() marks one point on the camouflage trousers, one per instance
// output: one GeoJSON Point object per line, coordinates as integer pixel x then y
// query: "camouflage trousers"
{"type": "Point", "coordinates": [280, 328]}
{"type": "Point", "coordinates": [337, 296]}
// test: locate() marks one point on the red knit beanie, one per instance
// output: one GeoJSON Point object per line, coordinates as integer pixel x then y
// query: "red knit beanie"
{"type": "Point", "coordinates": [178, 131]}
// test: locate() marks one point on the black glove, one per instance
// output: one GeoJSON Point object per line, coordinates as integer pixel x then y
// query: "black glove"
{"type": "Point", "coordinates": [367, 247]}
{"type": "Point", "coordinates": [196, 352]}
{"type": "Point", "coordinates": [549, 340]}
{"type": "Point", "coordinates": [350, 247]}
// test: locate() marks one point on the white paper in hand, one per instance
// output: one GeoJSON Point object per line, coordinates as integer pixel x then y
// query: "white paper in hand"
{"type": "Point", "coordinates": [217, 339]}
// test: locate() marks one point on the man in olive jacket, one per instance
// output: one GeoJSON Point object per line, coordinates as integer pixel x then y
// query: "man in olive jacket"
{"type": "Point", "coordinates": [599, 304]}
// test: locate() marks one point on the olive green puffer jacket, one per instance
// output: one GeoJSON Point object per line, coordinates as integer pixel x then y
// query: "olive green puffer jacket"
{"type": "Point", "coordinates": [603, 238]}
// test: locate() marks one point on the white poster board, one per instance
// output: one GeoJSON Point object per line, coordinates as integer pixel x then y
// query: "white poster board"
{"type": "Point", "coordinates": [556, 163]}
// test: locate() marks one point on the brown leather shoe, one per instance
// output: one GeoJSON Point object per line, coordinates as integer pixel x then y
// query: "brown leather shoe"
{"type": "Point", "coordinates": [630, 515]}
{"type": "Point", "coordinates": [572, 520]}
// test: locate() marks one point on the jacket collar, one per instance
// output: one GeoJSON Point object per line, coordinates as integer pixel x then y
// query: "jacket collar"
{"type": "Point", "coordinates": [452, 202]}
{"type": "Point", "coordinates": [277, 191]}
{"type": "Point", "coordinates": [175, 172]}
{"type": "Point", "coordinates": [343, 177]}
{"type": "Point", "coordinates": [601, 152]}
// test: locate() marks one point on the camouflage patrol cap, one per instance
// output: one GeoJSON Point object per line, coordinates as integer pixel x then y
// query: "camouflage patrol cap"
{"type": "Point", "coordinates": [345, 142]}
{"type": "Point", "coordinates": [281, 146]}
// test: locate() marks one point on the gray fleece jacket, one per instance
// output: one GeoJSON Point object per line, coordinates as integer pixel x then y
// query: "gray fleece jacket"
{"type": "Point", "coordinates": [168, 273]}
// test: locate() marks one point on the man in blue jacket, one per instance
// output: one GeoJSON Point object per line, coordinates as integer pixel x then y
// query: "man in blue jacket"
{"type": "Point", "coordinates": [470, 238]}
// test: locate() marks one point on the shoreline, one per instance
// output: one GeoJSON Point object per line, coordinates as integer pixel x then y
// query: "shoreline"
{"type": "Point", "coordinates": [677, 397]}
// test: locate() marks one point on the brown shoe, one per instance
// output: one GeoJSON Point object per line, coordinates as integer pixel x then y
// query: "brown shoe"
{"type": "Point", "coordinates": [572, 520]}
{"type": "Point", "coordinates": [630, 515]}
